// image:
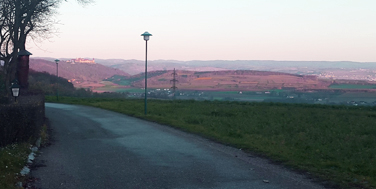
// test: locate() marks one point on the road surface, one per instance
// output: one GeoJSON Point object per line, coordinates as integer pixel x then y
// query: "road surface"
{"type": "Point", "coordinates": [95, 148]}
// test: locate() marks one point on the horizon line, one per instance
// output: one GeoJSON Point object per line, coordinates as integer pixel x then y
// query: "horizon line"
{"type": "Point", "coordinates": [210, 60]}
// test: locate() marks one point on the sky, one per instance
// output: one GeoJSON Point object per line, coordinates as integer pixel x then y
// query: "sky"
{"type": "Point", "coordinates": [296, 30]}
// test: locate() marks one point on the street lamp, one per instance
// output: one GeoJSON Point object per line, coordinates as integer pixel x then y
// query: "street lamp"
{"type": "Point", "coordinates": [15, 90]}
{"type": "Point", "coordinates": [146, 38]}
{"type": "Point", "coordinates": [57, 81]}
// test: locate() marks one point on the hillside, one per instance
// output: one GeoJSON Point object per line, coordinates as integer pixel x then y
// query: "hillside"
{"type": "Point", "coordinates": [42, 81]}
{"type": "Point", "coordinates": [323, 69]}
{"type": "Point", "coordinates": [134, 67]}
{"type": "Point", "coordinates": [215, 75]}
{"type": "Point", "coordinates": [81, 75]}
{"type": "Point", "coordinates": [246, 80]}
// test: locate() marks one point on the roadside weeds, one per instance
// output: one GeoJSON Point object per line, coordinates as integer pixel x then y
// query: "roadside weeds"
{"type": "Point", "coordinates": [16, 160]}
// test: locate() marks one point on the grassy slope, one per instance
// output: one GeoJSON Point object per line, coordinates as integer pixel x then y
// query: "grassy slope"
{"type": "Point", "coordinates": [12, 159]}
{"type": "Point", "coordinates": [337, 143]}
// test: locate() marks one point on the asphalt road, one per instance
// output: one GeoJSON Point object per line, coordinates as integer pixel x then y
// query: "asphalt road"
{"type": "Point", "coordinates": [94, 148]}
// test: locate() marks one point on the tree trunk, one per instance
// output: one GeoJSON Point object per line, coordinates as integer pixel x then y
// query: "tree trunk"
{"type": "Point", "coordinates": [6, 76]}
{"type": "Point", "coordinates": [12, 66]}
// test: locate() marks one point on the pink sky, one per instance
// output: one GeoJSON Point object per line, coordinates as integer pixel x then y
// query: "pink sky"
{"type": "Point", "coordinates": [333, 30]}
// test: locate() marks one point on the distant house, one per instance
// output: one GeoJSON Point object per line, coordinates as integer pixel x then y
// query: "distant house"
{"type": "Point", "coordinates": [362, 103]}
{"type": "Point", "coordinates": [82, 60]}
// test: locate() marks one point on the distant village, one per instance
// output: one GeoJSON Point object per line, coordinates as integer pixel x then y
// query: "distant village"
{"type": "Point", "coordinates": [81, 60]}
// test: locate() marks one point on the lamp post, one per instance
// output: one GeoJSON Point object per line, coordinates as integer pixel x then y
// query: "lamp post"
{"type": "Point", "coordinates": [15, 90]}
{"type": "Point", "coordinates": [57, 81]}
{"type": "Point", "coordinates": [146, 38]}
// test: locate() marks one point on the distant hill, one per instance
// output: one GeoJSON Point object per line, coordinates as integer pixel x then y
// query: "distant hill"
{"type": "Point", "coordinates": [80, 74]}
{"type": "Point", "coordinates": [134, 67]}
{"type": "Point", "coordinates": [246, 80]}
{"type": "Point", "coordinates": [322, 69]}
{"type": "Point", "coordinates": [261, 65]}
{"type": "Point", "coordinates": [235, 75]}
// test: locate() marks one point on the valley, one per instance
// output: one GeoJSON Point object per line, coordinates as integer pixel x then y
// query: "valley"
{"type": "Point", "coordinates": [277, 81]}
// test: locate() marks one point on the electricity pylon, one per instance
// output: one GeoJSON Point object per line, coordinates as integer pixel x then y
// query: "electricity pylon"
{"type": "Point", "coordinates": [174, 82]}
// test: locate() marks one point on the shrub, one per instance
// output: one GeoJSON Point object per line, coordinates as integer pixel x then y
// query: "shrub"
{"type": "Point", "coordinates": [20, 122]}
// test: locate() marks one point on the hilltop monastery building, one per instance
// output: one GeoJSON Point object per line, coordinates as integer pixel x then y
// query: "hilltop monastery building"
{"type": "Point", "coordinates": [82, 60]}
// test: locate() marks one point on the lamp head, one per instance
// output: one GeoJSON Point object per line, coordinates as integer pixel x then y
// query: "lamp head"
{"type": "Point", "coordinates": [15, 89]}
{"type": "Point", "coordinates": [57, 61]}
{"type": "Point", "coordinates": [146, 35]}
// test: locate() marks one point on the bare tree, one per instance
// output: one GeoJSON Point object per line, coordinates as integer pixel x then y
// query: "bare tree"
{"type": "Point", "coordinates": [20, 19]}
{"type": "Point", "coordinates": [6, 43]}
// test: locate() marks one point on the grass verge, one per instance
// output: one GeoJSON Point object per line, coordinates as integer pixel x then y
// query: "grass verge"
{"type": "Point", "coordinates": [44, 135]}
{"type": "Point", "coordinates": [12, 159]}
{"type": "Point", "coordinates": [335, 143]}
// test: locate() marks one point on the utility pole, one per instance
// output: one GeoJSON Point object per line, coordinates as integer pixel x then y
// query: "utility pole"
{"type": "Point", "coordinates": [174, 82]}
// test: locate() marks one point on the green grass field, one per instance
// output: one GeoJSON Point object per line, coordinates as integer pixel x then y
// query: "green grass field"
{"type": "Point", "coordinates": [335, 143]}
{"type": "Point", "coordinates": [118, 89]}
{"type": "Point", "coordinates": [352, 86]}
{"type": "Point", "coordinates": [222, 92]}
{"type": "Point", "coordinates": [131, 90]}
{"type": "Point", "coordinates": [355, 96]}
